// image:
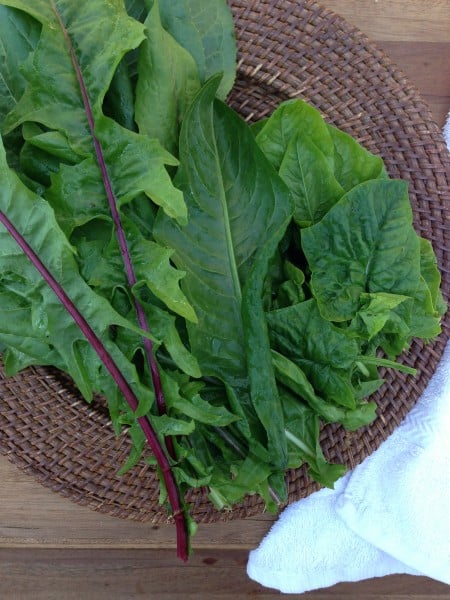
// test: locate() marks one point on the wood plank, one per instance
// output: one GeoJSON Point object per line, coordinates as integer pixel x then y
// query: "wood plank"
{"type": "Point", "coordinates": [415, 35]}
{"type": "Point", "coordinates": [36, 516]}
{"type": "Point", "coordinates": [426, 64]}
{"type": "Point", "coordinates": [399, 20]}
{"type": "Point", "coordinates": [50, 574]}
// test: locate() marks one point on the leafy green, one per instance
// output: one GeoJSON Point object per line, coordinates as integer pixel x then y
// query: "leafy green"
{"type": "Point", "coordinates": [228, 184]}
{"type": "Point", "coordinates": [318, 162]}
{"type": "Point", "coordinates": [205, 30]}
{"type": "Point", "coordinates": [166, 85]}
{"type": "Point", "coordinates": [364, 244]}
{"type": "Point", "coordinates": [247, 281]}
{"type": "Point", "coordinates": [18, 37]}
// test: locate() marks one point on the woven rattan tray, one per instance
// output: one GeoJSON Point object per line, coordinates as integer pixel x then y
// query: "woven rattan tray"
{"type": "Point", "coordinates": [288, 48]}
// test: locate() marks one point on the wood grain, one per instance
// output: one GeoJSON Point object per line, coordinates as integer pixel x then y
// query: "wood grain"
{"type": "Point", "coordinates": [52, 549]}
{"type": "Point", "coordinates": [121, 574]}
{"type": "Point", "coordinates": [415, 35]}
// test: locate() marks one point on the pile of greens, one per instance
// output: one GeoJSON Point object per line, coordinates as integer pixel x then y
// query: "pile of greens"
{"type": "Point", "coordinates": [228, 288]}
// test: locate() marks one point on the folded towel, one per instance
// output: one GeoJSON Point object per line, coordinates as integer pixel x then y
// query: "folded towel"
{"type": "Point", "coordinates": [447, 131]}
{"type": "Point", "coordinates": [389, 515]}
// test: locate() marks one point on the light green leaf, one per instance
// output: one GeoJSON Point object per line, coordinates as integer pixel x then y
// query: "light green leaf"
{"type": "Point", "coordinates": [19, 34]}
{"type": "Point", "coordinates": [291, 376]}
{"type": "Point", "coordinates": [302, 432]}
{"type": "Point", "coordinates": [167, 83]}
{"type": "Point", "coordinates": [324, 352]}
{"type": "Point", "coordinates": [318, 162]}
{"type": "Point", "coordinates": [238, 209]}
{"type": "Point", "coordinates": [365, 244]}
{"type": "Point", "coordinates": [206, 31]}
{"type": "Point", "coordinates": [288, 120]}
{"type": "Point", "coordinates": [18, 37]}
{"type": "Point", "coordinates": [353, 164]}
{"type": "Point", "coordinates": [42, 329]}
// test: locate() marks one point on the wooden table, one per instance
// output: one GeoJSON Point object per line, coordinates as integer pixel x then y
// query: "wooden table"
{"type": "Point", "coordinates": [52, 549]}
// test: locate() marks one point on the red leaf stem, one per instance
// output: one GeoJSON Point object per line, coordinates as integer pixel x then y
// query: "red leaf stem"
{"type": "Point", "coordinates": [129, 269]}
{"type": "Point", "coordinates": [122, 384]}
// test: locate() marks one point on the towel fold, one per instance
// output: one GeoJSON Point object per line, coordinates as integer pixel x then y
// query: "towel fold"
{"type": "Point", "coordinates": [389, 515]}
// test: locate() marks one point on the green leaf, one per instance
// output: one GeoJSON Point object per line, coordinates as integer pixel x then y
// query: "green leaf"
{"type": "Point", "coordinates": [324, 352]}
{"type": "Point", "coordinates": [181, 400]}
{"type": "Point", "coordinates": [169, 426]}
{"type": "Point", "coordinates": [52, 96]}
{"type": "Point", "coordinates": [228, 185]}
{"type": "Point", "coordinates": [61, 82]}
{"type": "Point", "coordinates": [302, 432]}
{"type": "Point", "coordinates": [167, 83]}
{"type": "Point", "coordinates": [247, 478]}
{"type": "Point", "coordinates": [290, 375]}
{"type": "Point", "coordinates": [41, 328]}
{"type": "Point", "coordinates": [306, 171]}
{"type": "Point", "coordinates": [18, 37]}
{"type": "Point", "coordinates": [206, 31]}
{"type": "Point", "coordinates": [365, 244]}
{"type": "Point", "coordinates": [378, 309]}
{"type": "Point", "coordinates": [317, 161]}
{"type": "Point", "coordinates": [287, 121]}
{"type": "Point", "coordinates": [19, 34]}
{"type": "Point", "coordinates": [353, 164]}
{"type": "Point", "coordinates": [119, 99]}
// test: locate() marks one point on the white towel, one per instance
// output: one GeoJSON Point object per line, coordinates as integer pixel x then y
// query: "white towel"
{"type": "Point", "coordinates": [389, 515]}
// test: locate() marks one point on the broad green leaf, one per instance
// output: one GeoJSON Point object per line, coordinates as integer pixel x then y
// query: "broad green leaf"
{"type": "Point", "coordinates": [302, 431]}
{"type": "Point", "coordinates": [167, 83]}
{"type": "Point", "coordinates": [42, 324]}
{"type": "Point", "coordinates": [66, 89]}
{"type": "Point", "coordinates": [307, 172]}
{"type": "Point", "coordinates": [19, 34]}
{"type": "Point", "coordinates": [291, 376]}
{"type": "Point", "coordinates": [248, 476]}
{"type": "Point", "coordinates": [353, 164]}
{"type": "Point", "coordinates": [378, 309]}
{"type": "Point", "coordinates": [430, 273]}
{"type": "Point", "coordinates": [324, 352]}
{"type": "Point", "coordinates": [102, 263]}
{"type": "Point", "coordinates": [135, 164]}
{"type": "Point", "coordinates": [290, 119]}
{"type": "Point", "coordinates": [206, 31]}
{"type": "Point", "coordinates": [238, 210]}
{"type": "Point", "coordinates": [53, 97]}
{"type": "Point", "coordinates": [18, 37]}
{"type": "Point", "coordinates": [365, 244]}
{"type": "Point", "coordinates": [317, 161]}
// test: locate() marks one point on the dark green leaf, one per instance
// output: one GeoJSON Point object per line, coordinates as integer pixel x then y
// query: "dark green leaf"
{"type": "Point", "coordinates": [206, 31]}
{"type": "Point", "coordinates": [167, 83]}
{"type": "Point", "coordinates": [228, 185]}
{"type": "Point", "coordinates": [365, 244]}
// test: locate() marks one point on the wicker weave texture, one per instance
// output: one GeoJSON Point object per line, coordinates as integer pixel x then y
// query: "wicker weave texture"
{"type": "Point", "coordinates": [287, 49]}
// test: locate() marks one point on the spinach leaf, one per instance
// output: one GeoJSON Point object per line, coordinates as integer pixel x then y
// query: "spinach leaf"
{"type": "Point", "coordinates": [238, 209]}
{"type": "Point", "coordinates": [206, 31]}
{"type": "Point", "coordinates": [324, 352]}
{"type": "Point", "coordinates": [166, 85]}
{"type": "Point", "coordinates": [302, 431]}
{"type": "Point", "coordinates": [18, 37]}
{"type": "Point", "coordinates": [365, 244]}
{"type": "Point", "coordinates": [318, 162]}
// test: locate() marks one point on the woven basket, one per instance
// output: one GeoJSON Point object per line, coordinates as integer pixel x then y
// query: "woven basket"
{"type": "Point", "coordinates": [288, 48]}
